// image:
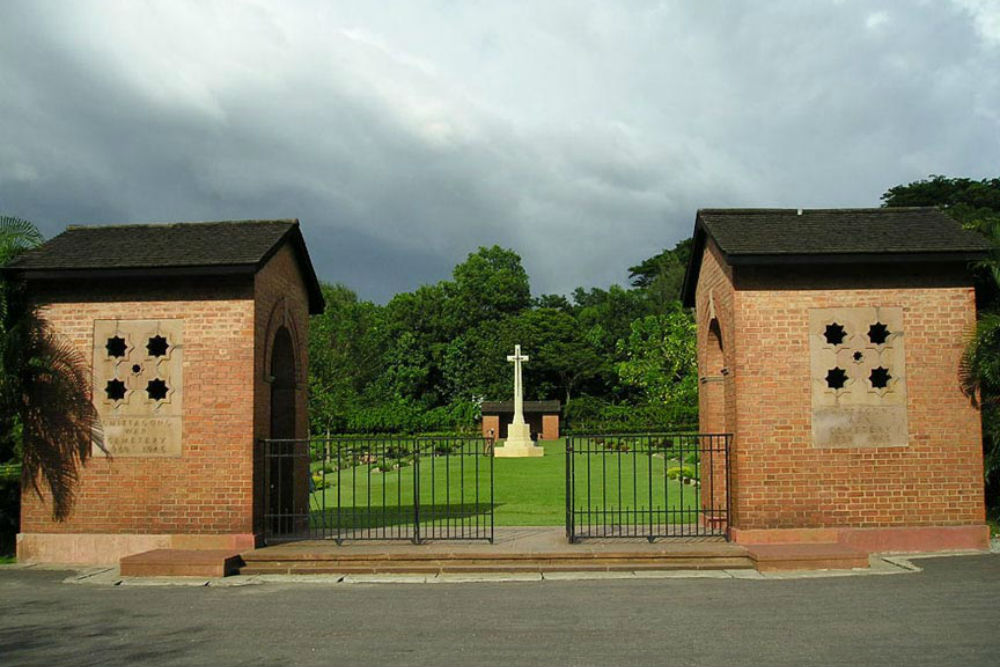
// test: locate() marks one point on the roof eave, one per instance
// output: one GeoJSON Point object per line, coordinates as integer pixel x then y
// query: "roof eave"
{"type": "Point", "coordinates": [778, 259]}
{"type": "Point", "coordinates": [313, 289]}
{"type": "Point", "coordinates": [89, 273]}
{"type": "Point", "coordinates": [694, 263]}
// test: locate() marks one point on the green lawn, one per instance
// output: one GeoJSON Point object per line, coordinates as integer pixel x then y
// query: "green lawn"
{"type": "Point", "coordinates": [527, 492]}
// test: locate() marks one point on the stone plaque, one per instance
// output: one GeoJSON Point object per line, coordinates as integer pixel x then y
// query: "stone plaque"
{"type": "Point", "coordinates": [858, 375]}
{"type": "Point", "coordinates": [138, 386]}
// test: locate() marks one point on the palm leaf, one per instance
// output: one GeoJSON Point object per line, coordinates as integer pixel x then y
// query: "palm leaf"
{"type": "Point", "coordinates": [16, 237]}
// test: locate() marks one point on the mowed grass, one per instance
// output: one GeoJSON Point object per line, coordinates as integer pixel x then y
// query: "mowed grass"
{"type": "Point", "coordinates": [527, 491]}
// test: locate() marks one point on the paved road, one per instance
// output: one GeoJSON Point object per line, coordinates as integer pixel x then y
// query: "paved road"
{"type": "Point", "coordinates": [949, 614]}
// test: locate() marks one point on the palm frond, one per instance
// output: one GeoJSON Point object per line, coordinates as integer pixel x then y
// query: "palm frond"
{"type": "Point", "coordinates": [979, 369]}
{"type": "Point", "coordinates": [17, 235]}
{"type": "Point", "coordinates": [59, 419]}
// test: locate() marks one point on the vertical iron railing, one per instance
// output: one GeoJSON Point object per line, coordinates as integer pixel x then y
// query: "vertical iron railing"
{"type": "Point", "coordinates": [379, 488]}
{"type": "Point", "coordinates": [648, 485]}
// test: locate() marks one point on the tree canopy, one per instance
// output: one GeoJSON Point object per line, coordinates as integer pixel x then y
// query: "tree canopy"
{"type": "Point", "coordinates": [440, 350]}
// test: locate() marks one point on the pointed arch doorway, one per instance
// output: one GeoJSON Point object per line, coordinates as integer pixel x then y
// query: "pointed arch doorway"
{"type": "Point", "coordinates": [281, 468]}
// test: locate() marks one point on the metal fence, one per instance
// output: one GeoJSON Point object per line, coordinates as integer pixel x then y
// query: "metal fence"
{"type": "Point", "coordinates": [647, 485]}
{"type": "Point", "coordinates": [379, 488]}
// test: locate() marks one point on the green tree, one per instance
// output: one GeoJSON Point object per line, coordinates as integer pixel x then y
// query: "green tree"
{"type": "Point", "coordinates": [561, 355]}
{"type": "Point", "coordinates": [474, 363]}
{"type": "Point", "coordinates": [980, 375]}
{"type": "Point", "coordinates": [44, 385]}
{"type": "Point", "coordinates": [557, 301]}
{"type": "Point", "coordinates": [660, 357]}
{"type": "Point", "coordinates": [346, 346]}
{"type": "Point", "coordinates": [418, 326]}
{"type": "Point", "coordinates": [489, 285]}
{"type": "Point", "coordinates": [971, 202]}
{"type": "Point", "coordinates": [16, 237]}
{"type": "Point", "coordinates": [662, 276]}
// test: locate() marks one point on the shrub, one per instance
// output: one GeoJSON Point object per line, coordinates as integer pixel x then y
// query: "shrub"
{"type": "Point", "coordinates": [406, 418]}
{"type": "Point", "coordinates": [637, 419]}
{"type": "Point", "coordinates": [584, 409]}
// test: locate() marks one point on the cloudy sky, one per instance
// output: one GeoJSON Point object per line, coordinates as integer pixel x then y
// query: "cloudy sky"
{"type": "Point", "coordinates": [584, 135]}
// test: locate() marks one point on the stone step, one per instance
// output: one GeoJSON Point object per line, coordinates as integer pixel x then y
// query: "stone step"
{"type": "Point", "coordinates": [181, 563]}
{"type": "Point", "coordinates": [271, 554]}
{"type": "Point", "coordinates": [806, 556]}
{"type": "Point", "coordinates": [319, 567]}
{"type": "Point", "coordinates": [332, 562]}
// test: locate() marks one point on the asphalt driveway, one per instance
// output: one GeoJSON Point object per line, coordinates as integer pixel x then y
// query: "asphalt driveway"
{"type": "Point", "coordinates": [949, 614]}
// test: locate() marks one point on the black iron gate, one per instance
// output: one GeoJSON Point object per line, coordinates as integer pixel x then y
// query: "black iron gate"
{"type": "Point", "coordinates": [378, 488]}
{"type": "Point", "coordinates": [647, 485]}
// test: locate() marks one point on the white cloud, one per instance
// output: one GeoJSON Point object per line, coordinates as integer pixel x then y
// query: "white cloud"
{"type": "Point", "coordinates": [584, 135]}
{"type": "Point", "coordinates": [876, 20]}
{"type": "Point", "coordinates": [986, 15]}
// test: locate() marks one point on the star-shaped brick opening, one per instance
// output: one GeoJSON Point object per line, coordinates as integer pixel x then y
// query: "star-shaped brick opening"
{"type": "Point", "coordinates": [836, 378]}
{"type": "Point", "coordinates": [880, 377]}
{"type": "Point", "coordinates": [115, 390]}
{"type": "Point", "coordinates": [157, 346]}
{"type": "Point", "coordinates": [157, 389]}
{"type": "Point", "coordinates": [835, 334]}
{"type": "Point", "coordinates": [116, 347]}
{"type": "Point", "coordinates": [878, 333]}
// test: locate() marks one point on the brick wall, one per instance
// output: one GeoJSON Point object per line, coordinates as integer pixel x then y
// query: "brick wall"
{"type": "Point", "coordinates": [716, 389]}
{"type": "Point", "coordinates": [208, 488]}
{"type": "Point", "coordinates": [281, 301]}
{"type": "Point", "coordinates": [780, 480]}
{"type": "Point", "coordinates": [212, 495]}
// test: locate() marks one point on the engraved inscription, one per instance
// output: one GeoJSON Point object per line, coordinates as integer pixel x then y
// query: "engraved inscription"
{"type": "Point", "coordinates": [142, 436]}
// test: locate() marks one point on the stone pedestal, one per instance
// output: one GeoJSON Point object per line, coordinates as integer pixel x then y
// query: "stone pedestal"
{"type": "Point", "coordinates": [518, 443]}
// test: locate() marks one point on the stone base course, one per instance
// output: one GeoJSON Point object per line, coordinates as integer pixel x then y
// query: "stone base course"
{"type": "Point", "coordinates": [109, 549]}
{"type": "Point", "coordinates": [915, 539]}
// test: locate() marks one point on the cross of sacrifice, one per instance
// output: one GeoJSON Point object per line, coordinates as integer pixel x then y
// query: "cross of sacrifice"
{"type": "Point", "coordinates": [518, 359]}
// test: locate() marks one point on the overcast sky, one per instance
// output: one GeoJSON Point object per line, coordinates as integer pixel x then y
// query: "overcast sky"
{"type": "Point", "coordinates": [583, 135]}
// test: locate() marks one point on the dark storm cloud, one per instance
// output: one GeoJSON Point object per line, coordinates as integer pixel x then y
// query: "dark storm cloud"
{"type": "Point", "coordinates": [584, 136]}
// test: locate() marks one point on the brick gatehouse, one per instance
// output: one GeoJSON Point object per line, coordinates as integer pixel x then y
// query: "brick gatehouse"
{"type": "Point", "coordinates": [196, 335]}
{"type": "Point", "coordinates": [829, 344]}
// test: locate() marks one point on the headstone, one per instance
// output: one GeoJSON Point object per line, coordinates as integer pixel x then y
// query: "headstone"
{"type": "Point", "coordinates": [518, 443]}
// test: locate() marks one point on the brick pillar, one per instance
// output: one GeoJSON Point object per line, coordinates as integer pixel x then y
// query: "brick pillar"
{"type": "Point", "coordinates": [491, 423]}
{"type": "Point", "coordinates": [550, 427]}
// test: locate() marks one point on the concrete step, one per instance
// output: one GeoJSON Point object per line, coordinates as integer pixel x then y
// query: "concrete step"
{"type": "Point", "coordinates": [181, 563]}
{"type": "Point", "coordinates": [332, 560]}
{"type": "Point", "coordinates": [330, 551]}
{"type": "Point", "coordinates": [426, 567]}
{"type": "Point", "coordinates": [806, 556]}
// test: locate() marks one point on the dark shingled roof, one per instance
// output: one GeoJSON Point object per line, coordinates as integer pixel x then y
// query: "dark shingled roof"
{"type": "Point", "coordinates": [188, 248]}
{"type": "Point", "coordinates": [837, 231]}
{"type": "Point", "coordinates": [791, 236]}
{"type": "Point", "coordinates": [501, 407]}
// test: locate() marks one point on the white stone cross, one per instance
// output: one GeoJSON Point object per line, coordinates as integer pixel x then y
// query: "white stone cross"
{"type": "Point", "coordinates": [518, 441]}
{"type": "Point", "coordinates": [518, 359]}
